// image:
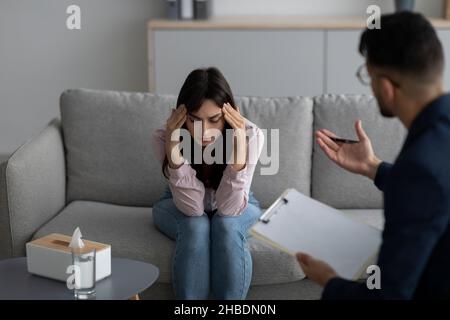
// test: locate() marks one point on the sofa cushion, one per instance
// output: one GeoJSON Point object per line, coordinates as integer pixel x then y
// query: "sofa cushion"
{"type": "Point", "coordinates": [300, 290]}
{"type": "Point", "coordinates": [371, 217]}
{"type": "Point", "coordinates": [108, 142]}
{"type": "Point", "coordinates": [131, 233]}
{"type": "Point", "coordinates": [293, 118]}
{"type": "Point", "coordinates": [338, 113]}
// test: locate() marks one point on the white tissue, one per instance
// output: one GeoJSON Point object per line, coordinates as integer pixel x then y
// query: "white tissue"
{"type": "Point", "coordinates": [76, 242]}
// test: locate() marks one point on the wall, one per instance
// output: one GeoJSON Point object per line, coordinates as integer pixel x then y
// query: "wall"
{"type": "Point", "coordinates": [40, 57]}
{"type": "Point", "coordinates": [315, 7]}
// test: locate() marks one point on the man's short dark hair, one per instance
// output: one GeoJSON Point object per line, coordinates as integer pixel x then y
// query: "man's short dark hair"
{"type": "Point", "coordinates": [406, 42]}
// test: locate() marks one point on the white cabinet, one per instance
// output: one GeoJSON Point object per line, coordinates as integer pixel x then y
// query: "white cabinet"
{"type": "Point", "coordinates": [255, 62]}
{"type": "Point", "coordinates": [281, 58]}
{"type": "Point", "coordinates": [342, 62]}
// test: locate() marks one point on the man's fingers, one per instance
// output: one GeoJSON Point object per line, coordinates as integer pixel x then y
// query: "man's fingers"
{"type": "Point", "coordinates": [330, 143]}
{"type": "Point", "coordinates": [328, 133]}
{"type": "Point", "coordinates": [304, 261]}
{"type": "Point", "coordinates": [328, 151]}
{"type": "Point", "coordinates": [360, 131]}
{"type": "Point", "coordinates": [303, 258]}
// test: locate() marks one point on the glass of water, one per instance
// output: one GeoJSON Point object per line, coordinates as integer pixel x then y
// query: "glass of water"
{"type": "Point", "coordinates": [83, 261]}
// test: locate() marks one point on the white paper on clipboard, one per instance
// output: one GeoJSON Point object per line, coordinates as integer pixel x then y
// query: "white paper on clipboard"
{"type": "Point", "coordinates": [297, 223]}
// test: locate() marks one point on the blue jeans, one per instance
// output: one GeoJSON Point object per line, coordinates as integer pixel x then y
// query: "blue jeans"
{"type": "Point", "coordinates": [209, 252]}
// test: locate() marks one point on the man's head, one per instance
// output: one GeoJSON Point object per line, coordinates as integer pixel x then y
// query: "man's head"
{"type": "Point", "coordinates": [404, 60]}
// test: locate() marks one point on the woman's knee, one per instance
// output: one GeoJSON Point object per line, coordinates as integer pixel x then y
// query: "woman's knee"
{"type": "Point", "coordinates": [195, 225]}
{"type": "Point", "coordinates": [225, 229]}
{"type": "Point", "coordinates": [225, 224]}
{"type": "Point", "coordinates": [163, 205]}
{"type": "Point", "coordinates": [194, 233]}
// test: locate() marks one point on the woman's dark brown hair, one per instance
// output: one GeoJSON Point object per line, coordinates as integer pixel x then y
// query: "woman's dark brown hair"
{"type": "Point", "coordinates": [199, 86]}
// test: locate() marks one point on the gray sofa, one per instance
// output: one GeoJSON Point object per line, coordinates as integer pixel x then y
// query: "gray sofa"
{"type": "Point", "coordinates": [95, 168]}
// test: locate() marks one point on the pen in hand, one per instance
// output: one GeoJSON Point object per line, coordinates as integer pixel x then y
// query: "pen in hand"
{"type": "Point", "coordinates": [343, 140]}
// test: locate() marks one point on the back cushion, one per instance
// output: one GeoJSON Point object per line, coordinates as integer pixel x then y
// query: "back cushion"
{"type": "Point", "coordinates": [109, 154]}
{"type": "Point", "coordinates": [338, 113]}
{"type": "Point", "coordinates": [108, 141]}
{"type": "Point", "coordinates": [293, 118]}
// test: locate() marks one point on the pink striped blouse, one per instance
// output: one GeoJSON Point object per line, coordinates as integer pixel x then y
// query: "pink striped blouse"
{"type": "Point", "coordinates": [231, 197]}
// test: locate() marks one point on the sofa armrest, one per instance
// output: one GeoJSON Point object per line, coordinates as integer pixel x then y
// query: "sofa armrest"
{"type": "Point", "coordinates": [32, 189]}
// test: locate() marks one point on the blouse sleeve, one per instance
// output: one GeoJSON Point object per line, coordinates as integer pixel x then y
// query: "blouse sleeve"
{"type": "Point", "coordinates": [187, 190]}
{"type": "Point", "coordinates": [233, 191]}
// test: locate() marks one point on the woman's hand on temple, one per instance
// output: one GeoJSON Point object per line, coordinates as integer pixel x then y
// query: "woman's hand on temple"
{"type": "Point", "coordinates": [174, 123]}
{"type": "Point", "coordinates": [237, 122]}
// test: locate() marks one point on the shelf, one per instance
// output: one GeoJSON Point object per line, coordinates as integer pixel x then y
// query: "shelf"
{"type": "Point", "coordinates": [274, 23]}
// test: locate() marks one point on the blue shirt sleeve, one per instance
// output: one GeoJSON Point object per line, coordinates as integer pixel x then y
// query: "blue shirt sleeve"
{"type": "Point", "coordinates": [382, 175]}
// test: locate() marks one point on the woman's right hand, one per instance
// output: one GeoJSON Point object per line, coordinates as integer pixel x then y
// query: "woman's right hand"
{"type": "Point", "coordinates": [357, 158]}
{"type": "Point", "coordinates": [174, 122]}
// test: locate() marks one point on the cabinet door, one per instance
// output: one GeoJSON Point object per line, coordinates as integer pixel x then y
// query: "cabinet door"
{"type": "Point", "coordinates": [255, 62]}
{"type": "Point", "coordinates": [444, 36]}
{"type": "Point", "coordinates": [343, 60]}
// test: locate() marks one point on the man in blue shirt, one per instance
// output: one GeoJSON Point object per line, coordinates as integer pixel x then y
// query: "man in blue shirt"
{"type": "Point", "coordinates": [404, 66]}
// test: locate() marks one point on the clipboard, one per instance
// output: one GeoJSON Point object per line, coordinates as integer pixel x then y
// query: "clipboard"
{"type": "Point", "coordinates": [297, 223]}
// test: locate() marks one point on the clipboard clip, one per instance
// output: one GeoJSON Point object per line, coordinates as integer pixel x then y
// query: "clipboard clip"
{"type": "Point", "coordinates": [273, 209]}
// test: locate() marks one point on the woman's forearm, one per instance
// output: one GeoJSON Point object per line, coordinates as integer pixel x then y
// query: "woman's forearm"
{"type": "Point", "coordinates": [187, 191]}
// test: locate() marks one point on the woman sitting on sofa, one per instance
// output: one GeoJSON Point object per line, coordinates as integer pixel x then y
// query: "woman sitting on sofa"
{"type": "Point", "coordinates": [208, 208]}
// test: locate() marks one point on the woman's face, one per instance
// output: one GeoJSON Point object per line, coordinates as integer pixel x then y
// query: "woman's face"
{"type": "Point", "coordinates": [207, 118]}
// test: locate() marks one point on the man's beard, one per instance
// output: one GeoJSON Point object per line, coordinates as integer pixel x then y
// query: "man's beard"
{"type": "Point", "coordinates": [385, 112]}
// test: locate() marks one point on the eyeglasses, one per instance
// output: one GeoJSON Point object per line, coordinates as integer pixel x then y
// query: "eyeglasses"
{"type": "Point", "coordinates": [363, 75]}
{"type": "Point", "coordinates": [365, 79]}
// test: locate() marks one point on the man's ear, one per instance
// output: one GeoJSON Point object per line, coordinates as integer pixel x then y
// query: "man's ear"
{"type": "Point", "coordinates": [387, 92]}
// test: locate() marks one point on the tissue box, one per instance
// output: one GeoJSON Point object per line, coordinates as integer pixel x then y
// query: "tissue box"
{"type": "Point", "coordinates": [51, 255]}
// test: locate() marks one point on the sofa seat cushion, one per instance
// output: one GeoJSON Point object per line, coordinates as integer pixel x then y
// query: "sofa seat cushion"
{"type": "Point", "coordinates": [371, 217]}
{"type": "Point", "coordinates": [131, 233]}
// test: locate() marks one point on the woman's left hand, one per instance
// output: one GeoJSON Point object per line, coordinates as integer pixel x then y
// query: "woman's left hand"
{"type": "Point", "coordinates": [237, 122]}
